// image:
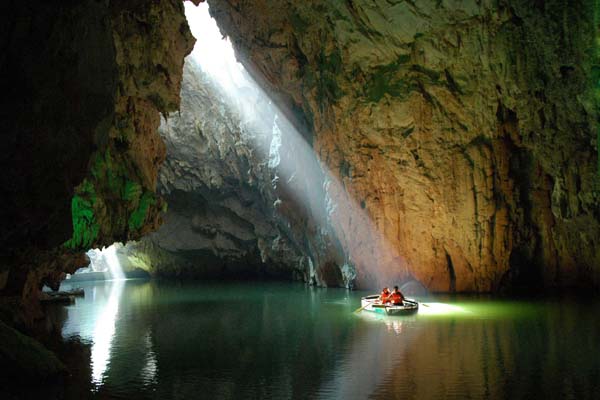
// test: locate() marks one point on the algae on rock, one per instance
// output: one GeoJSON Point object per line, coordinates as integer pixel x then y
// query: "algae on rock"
{"type": "Point", "coordinates": [456, 126]}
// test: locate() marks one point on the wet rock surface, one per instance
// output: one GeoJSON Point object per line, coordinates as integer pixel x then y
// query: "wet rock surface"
{"type": "Point", "coordinates": [85, 83]}
{"type": "Point", "coordinates": [83, 86]}
{"type": "Point", "coordinates": [465, 130]}
{"type": "Point", "coordinates": [23, 358]}
{"type": "Point", "coordinates": [224, 217]}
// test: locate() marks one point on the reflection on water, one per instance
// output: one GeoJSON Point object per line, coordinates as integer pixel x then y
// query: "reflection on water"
{"type": "Point", "coordinates": [104, 330]}
{"type": "Point", "coordinates": [148, 373]}
{"type": "Point", "coordinates": [254, 341]}
{"type": "Point", "coordinates": [94, 319]}
{"type": "Point", "coordinates": [370, 357]}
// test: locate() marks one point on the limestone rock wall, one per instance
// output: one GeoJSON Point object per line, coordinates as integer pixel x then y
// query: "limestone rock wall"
{"type": "Point", "coordinates": [84, 84]}
{"type": "Point", "coordinates": [223, 192]}
{"type": "Point", "coordinates": [466, 130]}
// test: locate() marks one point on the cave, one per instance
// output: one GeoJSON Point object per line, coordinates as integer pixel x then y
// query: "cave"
{"type": "Point", "coordinates": [200, 197]}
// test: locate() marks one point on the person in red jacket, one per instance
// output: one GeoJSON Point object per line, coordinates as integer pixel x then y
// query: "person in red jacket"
{"type": "Point", "coordinates": [396, 297]}
{"type": "Point", "coordinates": [385, 295]}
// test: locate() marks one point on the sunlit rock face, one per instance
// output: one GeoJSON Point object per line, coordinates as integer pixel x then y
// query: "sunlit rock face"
{"type": "Point", "coordinates": [84, 84]}
{"type": "Point", "coordinates": [465, 129]}
{"type": "Point", "coordinates": [222, 219]}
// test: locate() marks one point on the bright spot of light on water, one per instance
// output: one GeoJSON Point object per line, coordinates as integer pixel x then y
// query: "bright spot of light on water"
{"type": "Point", "coordinates": [441, 309]}
{"type": "Point", "coordinates": [426, 309]}
{"type": "Point", "coordinates": [103, 334]}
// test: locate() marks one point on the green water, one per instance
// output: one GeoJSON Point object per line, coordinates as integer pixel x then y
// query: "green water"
{"type": "Point", "coordinates": [160, 340]}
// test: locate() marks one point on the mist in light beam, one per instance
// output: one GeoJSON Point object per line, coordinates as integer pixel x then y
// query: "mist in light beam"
{"type": "Point", "coordinates": [106, 260]}
{"type": "Point", "coordinates": [114, 266]}
{"type": "Point", "coordinates": [369, 257]}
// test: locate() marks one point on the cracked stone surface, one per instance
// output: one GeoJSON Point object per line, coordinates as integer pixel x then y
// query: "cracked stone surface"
{"type": "Point", "coordinates": [466, 130]}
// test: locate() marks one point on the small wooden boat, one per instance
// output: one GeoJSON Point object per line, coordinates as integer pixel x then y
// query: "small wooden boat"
{"type": "Point", "coordinates": [371, 303]}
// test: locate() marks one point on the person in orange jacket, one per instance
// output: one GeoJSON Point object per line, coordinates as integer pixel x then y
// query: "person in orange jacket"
{"type": "Point", "coordinates": [385, 295]}
{"type": "Point", "coordinates": [397, 298]}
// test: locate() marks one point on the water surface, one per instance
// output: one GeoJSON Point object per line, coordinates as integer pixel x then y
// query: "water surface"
{"type": "Point", "coordinates": [159, 340]}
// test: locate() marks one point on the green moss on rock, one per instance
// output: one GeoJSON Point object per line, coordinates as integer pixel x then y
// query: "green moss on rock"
{"type": "Point", "coordinates": [595, 75]}
{"type": "Point", "coordinates": [330, 67]}
{"type": "Point", "coordinates": [85, 225]}
{"type": "Point", "coordinates": [109, 172]}
{"type": "Point", "coordinates": [137, 217]}
{"type": "Point", "coordinates": [131, 191]}
{"type": "Point", "coordinates": [110, 199]}
{"type": "Point", "coordinates": [300, 24]}
{"type": "Point", "coordinates": [385, 80]}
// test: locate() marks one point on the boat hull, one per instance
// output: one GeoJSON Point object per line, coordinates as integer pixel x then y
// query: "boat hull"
{"type": "Point", "coordinates": [370, 303]}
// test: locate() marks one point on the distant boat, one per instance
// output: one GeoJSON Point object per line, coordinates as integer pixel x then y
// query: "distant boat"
{"type": "Point", "coordinates": [371, 303]}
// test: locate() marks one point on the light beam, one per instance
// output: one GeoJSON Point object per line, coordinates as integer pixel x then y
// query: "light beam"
{"type": "Point", "coordinates": [375, 261]}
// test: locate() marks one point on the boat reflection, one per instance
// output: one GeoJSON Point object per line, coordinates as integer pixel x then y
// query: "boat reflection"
{"type": "Point", "coordinates": [224, 341]}
{"type": "Point", "coordinates": [371, 357]}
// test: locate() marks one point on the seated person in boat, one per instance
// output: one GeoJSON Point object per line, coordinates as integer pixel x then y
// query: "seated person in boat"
{"type": "Point", "coordinates": [384, 297]}
{"type": "Point", "coordinates": [397, 298]}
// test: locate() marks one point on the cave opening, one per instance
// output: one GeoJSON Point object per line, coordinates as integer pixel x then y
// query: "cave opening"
{"type": "Point", "coordinates": [247, 194]}
{"type": "Point", "coordinates": [297, 188]}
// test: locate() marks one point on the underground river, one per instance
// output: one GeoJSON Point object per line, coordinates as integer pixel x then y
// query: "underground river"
{"type": "Point", "coordinates": [281, 148]}
{"type": "Point", "coordinates": [155, 339]}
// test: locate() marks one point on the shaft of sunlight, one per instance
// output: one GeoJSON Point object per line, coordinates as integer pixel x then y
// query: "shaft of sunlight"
{"type": "Point", "coordinates": [212, 52]}
{"type": "Point", "coordinates": [291, 158]}
{"type": "Point", "coordinates": [106, 260]}
{"type": "Point", "coordinates": [114, 266]}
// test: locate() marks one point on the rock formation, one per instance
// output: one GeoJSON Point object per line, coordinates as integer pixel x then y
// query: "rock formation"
{"type": "Point", "coordinates": [458, 143]}
{"type": "Point", "coordinates": [84, 86]}
{"type": "Point", "coordinates": [218, 220]}
{"type": "Point", "coordinates": [221, 182]}
{"type": "Point", "coordinates": [458, 140]}
{"type": "Point", "coordinates": [465, 130]}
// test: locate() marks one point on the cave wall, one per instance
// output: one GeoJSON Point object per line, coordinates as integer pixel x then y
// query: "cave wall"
{"type": "Point", "coordinates": [227, 203]}
{"type": "Point", "coordinates": [220, 220]}
{"type": "Point", "coordinates": [51, 110]}
{"type": "Point", "coordinates": [84, 84]}
{"type": "Point", "coordinates": [465, 129]}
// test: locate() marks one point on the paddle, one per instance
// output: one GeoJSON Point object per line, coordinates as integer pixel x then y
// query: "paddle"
{"type": "Point", "coordinates": [363, 307]}
{"type": "Point", "coordinates": [415, 302]}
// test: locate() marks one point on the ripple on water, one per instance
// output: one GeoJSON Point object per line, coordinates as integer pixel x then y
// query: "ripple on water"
{"type": "Point", "coordinates": [162, 340]}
